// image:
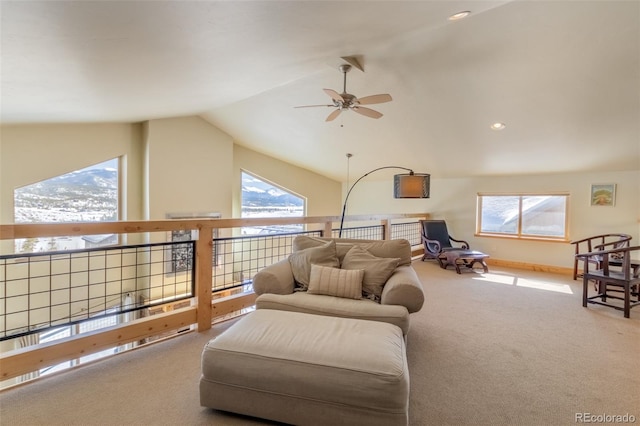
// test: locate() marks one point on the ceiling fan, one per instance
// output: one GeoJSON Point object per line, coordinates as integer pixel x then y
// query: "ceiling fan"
{"type": "Point", "coordinates": [346, 101]}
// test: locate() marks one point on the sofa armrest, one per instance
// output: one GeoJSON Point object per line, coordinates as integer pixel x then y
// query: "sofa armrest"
{"type": "Point", "coordinates": [276, 278]}
{"type": "Point", "coordinates": [404, 288]}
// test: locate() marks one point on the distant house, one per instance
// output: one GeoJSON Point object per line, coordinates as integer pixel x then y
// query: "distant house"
{"type": "Point", "coordinates": [540, 216]}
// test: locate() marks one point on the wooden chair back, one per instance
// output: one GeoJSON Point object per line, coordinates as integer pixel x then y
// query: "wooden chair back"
{"type": "Point", "coordinates": [619, 268]}
{"type": "Point", "coordinates": [596, 243]}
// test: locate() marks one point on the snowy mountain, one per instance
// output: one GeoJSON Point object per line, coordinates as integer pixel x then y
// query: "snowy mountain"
{"type": "Point", "coordinates": [257, 193]}
{"type": "Point", "coordinates": [85, 195]}
{"type": "Point", "coordinates": [92, 195]}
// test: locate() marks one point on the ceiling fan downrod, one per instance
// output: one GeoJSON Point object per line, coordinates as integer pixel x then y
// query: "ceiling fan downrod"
{"type": "Point", "coordinates": [344, 69]}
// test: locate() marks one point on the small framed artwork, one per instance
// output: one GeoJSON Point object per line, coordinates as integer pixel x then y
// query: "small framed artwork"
{"type": "Point", "coordinates": [603, 194]}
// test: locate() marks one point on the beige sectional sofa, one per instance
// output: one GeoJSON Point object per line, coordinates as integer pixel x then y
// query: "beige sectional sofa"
{"type": "Point", "coordinates": [391, 288]}
{"type": "Point", "coordinates": [327, 342]}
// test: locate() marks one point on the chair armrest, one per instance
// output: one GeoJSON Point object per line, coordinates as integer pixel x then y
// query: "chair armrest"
{"type": "Point", "coordinates": [612, 245]}
{"type": "Point", "coordinates": [403, 288]}
{"type": "Point", "coordinates": [276, 278]}
{"type": "Point", "coordinates": [432, 245]}
{"type": "Point", "coordinates": [465, 245]}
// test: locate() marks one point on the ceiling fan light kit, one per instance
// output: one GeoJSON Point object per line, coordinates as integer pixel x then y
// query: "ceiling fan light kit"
{"type": "Point", "coordinates": [346, 101]}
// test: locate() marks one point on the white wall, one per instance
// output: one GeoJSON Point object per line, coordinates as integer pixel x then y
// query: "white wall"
{"type": "Point", "coordinates": [175, 165]}
{"type": "Point", "coordinates": [194, 167]}
{"type": "Point", "coordinates": [33, 153]}
{"type": "Point", "coordinates": [455, 201]}
{"type": "Point", "coordinates": [190, 165]}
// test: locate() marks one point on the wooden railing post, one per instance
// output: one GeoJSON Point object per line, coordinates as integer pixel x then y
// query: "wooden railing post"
{"type": "Point", "coordinates": [327, 229]}
{"type": "Point", "coordinates": [204, 268]}
{"type": "Point", "coordinates": [386, 229]}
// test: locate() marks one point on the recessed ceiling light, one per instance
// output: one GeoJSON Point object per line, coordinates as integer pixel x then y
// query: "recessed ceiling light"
{"type": "Point", "coordinates": [498, 126]}
{"type": "Point", "coordinates": [459, 15]}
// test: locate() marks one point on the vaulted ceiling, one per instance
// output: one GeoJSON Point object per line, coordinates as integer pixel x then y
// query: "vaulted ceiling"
{"type": "Point", "coordinates": [563, 76]}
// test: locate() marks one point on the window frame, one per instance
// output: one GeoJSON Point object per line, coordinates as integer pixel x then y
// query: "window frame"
{"type": "Point", "coordinates": [121, 165]}
{"type": "Point", "coordinates": [519, 234]}
{"type": "Point", "coordinates": [275, 185]}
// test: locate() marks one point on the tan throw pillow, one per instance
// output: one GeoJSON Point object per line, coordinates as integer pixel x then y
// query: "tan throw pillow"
{"type": "Point", "coordinates": [336, 282]}
{"type": "Point", "coordinates": [302, 260]}
{"type": "Point", "coordinates": [302, 242]}
{"type": "Point", "coordinates": [377, 270]}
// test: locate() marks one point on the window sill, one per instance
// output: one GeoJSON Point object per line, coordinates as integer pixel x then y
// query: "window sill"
{"type": "Point", "coordinates": [523, 238]}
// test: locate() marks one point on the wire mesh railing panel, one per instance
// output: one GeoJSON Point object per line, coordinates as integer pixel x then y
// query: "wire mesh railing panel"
{"type": "Point", "coordinates": [43, 290]}
{"type": "Point", "coordinates": [375, 232]}
{"type": "Point", "coordinates": [240, 258]}
{"type": "Point", "coordinates": [409, 231]}
{"type": "Point", "coordinates": [52, 289]}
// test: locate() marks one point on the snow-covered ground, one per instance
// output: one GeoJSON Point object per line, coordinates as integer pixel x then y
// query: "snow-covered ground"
{"type": "Point", "coordinates": [57, 215]}
{"type": "Point", "coordinates": [249, 212]}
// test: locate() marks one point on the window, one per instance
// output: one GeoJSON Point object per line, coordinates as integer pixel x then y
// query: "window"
{"type": "Point", "coordinates": [263, 199]}
{"type": "Point", "coordinates": [86, 195]}
{"type": "Point", "coordinates": [542, 216]}
{"type": "Point", "coordinates": [83, 327]}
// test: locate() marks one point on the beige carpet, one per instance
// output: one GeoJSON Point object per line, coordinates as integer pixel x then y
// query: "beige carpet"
{"type": "Point", "coordinates": [505, 348]}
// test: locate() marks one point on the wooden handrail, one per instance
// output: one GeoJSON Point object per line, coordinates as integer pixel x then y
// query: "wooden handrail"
{"type": "Point", "coordinates": [18, 362]}
{"type": "Point", "coordinates": [33, 230]}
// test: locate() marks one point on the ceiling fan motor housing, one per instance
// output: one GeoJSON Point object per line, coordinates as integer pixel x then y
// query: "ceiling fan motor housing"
{"type": "Point", "coordinates": [349, 100]}
{"type": "Point", "coordinates": [344, 68]}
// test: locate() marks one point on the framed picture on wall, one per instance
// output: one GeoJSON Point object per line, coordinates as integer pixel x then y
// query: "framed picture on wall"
{"type": "Point", "coordinates": [603, 194]}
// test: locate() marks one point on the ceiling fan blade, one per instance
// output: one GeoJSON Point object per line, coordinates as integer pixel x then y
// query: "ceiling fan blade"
{"type": "Point", "coordinates": [313, 106]}
{"type": "Point", "coordinates": [333, 115]}
{"type": "Point", "coordinates": [334, 95]}
{"type": "Point", "coordinates": [375, 99]}
{"type": "Point", "coordinates": [367, 112]}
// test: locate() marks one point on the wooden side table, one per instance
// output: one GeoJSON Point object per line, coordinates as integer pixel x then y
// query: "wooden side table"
{"type": "Point", "coordinates": [466, 258]}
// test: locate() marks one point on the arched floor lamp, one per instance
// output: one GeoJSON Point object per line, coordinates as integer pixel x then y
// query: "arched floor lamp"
{"type": "Point", "coordinates": [407, 185]}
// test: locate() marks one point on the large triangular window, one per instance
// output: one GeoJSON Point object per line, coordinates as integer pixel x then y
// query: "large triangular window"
{"type": "Point", "coordinates": [85, 195]}
{"type": "Point", "coordinates": [264, 199]}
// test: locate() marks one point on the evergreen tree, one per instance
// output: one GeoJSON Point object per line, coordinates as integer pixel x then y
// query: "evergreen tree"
{"type": "Point", "coordinates": [29, 245]}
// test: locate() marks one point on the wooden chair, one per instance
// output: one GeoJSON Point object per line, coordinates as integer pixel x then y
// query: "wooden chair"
{"type": "Point", "coordinates": [619, 272]}
{"type": "Point", "coordinates": [596, 244]}
{"type": "Point", "coordinates": [436, 239]}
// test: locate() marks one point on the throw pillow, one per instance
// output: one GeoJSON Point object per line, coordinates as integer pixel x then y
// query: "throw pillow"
{"type": "Point", "coordinates": [336, 282]}
{"type": "Point", "coordinates": [302, 260]}
{"type": "Point", "coordinates": [377, 270]}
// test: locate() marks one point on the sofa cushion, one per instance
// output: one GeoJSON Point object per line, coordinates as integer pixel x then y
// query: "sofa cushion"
{"type": "Point", "coordinates": [320, 304]}
{"type": "Point", "coordinates": [301, 261]}
{"type": "Point", "coordinates": [336, 282]}
{"type": "Point", "coordinates": [303, 242]}
{"type": "Point", "coordinates": [400, 248]}
{"type": "Point", "coordinates": [377, 270]}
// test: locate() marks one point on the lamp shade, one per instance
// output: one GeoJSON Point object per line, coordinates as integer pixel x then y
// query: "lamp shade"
{"type": "Point", "coordinates": [411, 185]}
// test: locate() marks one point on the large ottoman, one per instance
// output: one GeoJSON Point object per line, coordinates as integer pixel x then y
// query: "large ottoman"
{"type": "Point", "coordinates": [307, 369]}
